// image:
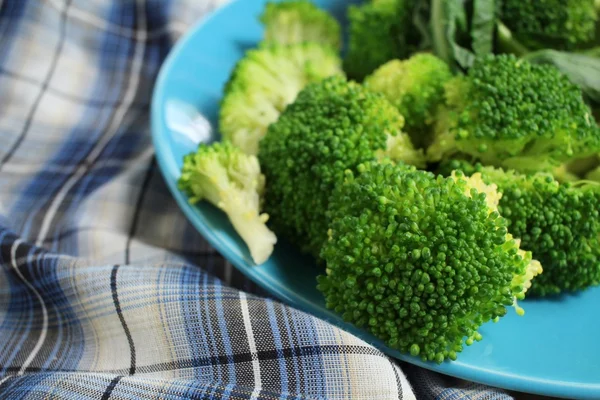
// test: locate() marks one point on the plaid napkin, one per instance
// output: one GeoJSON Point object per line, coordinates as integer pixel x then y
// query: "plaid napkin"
{"type": "Point", "coordinates": [106, 292]}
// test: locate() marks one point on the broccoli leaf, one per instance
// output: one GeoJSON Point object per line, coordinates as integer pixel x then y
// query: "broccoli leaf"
{"type": "Point", "coordinates": [448, 23]}
{"type": "Point", "coordinates": [483, 26]}
{"type": "Point", "coordinates": [582, 69]}
{"type": "Point", "coordinates": [462, 29]}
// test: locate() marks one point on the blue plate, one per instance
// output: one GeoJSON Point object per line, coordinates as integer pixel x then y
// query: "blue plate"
{"type": "Point", "coordinates": [553, 350]}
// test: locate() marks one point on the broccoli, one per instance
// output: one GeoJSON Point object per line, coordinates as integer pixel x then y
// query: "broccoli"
{"type": "Point", "coordinates": [416, 87]}
{"type": "Point", "coordinates": [298, 21]}
{"type": "Point", "coordinates": [509, 113]}
{"type": "Point", "coordinates": [332, 126]}
{"type": "Point", "coordinates": [557, 24]}
{"type": "Point", "coordinates": [559, 223]}
{"type": "Point", "coordinates": [594, 175]}
{"type": "Point", "coordinates": [575, 170]}
{"type": "Point", "coordinates": [446, 167]}
{"type": "Point", "coordinates": [379, 31]}
{"type": "Point", "coordinates": [264, 82]}
{"type": "Point", "coordinates": [230, 179]}
{"type": "Point", "coordinates": [420, 261]}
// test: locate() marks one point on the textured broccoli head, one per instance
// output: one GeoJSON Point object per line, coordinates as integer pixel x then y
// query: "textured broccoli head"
{"type": "Point", "coordinates": [230, 179]}
{"type": "Point", "coordinates": [559, 24]}
{"type": "Point", "coordinates": [378, 32]}
{"type": "Point", "coordinates": [332, 126]}
{"type": "Point", "coordinates": [421, 261]}
{"type": "Point", "coordinates": [264, 82]}
{"type": "Point", "coordinates": [299, 21]}
{"type": "Point", "coordinates": [559, 223]}
{"type": "Point", "coordinates": [510, 113]}
{"type": "Point", "coordinates": [416, 87]}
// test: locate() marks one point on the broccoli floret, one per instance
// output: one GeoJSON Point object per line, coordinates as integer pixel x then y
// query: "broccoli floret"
{"type": "Point", "coordinates": [416, 87]}
{"type": "Point", "coordinates": [230, 179]}
{"type": "Point", "coordinates": [332, 126]}
{"type": "Point", "coordinates": [558, 222]}
{"type": "Point", "coordinates": [421, 261]}
{"type": "Point", "coordinates": [558, 24]}
{"type": "Point", "coordinates": [298, 21]}
{"type": "Point", "coordinates": [264, 82]}
{"type": "Point", "coordinates": [378, 32]}
{"type": "Point", "coordinates": [510, 113]}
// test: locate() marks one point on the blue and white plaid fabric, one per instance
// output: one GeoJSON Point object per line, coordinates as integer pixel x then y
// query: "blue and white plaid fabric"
{"type": "Point", "coordinates": [106, 292]}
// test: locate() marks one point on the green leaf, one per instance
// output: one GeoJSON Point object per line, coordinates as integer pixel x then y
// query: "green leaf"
{"type": "Point", "coordinates": [483, 26]}
{"type": "Point", "coordinates": [448, 23]}
{"type": "Point", "coordinates": [582, 69]}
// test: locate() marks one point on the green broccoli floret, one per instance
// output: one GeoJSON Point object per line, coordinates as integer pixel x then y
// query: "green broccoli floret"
{"type": "Point", "coordinates": [557, 24]}
{"type": "Point", "coordinates": [264, 82]}
{"type": "Point", "coordinates": [558, 223]}
{"type": "Point", "coordinates": [332, 126]}
{"type": "Point", "coordinates": [416, 87]}
{"type": "Point", "coordinates": [509, 113]}
{"type": "Point", "coordinates": [421, 262]}
{"type": "Point", "coordinates": [378, 32]}
{"type": "Point", "coordinates": [230, 179]}
{"type": "Point", "coordinates": [298, 21]}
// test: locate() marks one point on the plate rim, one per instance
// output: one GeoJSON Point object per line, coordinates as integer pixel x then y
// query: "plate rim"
{"type": "Point", "coordinates": [455, 369]}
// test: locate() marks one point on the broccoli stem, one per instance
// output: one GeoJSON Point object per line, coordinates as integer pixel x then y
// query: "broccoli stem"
{"type": "Point", "coordinates": [254, 232]}
{"type": "Point", "coordinates": [507, 43]}
{"type": "Point", "coordinates": [597, 5]}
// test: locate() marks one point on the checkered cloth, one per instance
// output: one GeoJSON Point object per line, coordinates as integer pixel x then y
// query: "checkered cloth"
{"type": "Point", "coordinates": [105, 290]}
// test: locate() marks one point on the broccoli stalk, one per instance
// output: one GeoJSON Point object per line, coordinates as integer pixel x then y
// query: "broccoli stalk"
{"type": "Point", "coordinates": [507, 43]}
{"type": "Point", "coordinates": [231, 180]}
{"type": "Point", "coordinates": [576, 169]}
{"type": "Point", "coordinates": [420, 261]}
{"type": "Point", "coordinates": [594, 175]}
